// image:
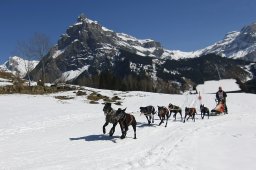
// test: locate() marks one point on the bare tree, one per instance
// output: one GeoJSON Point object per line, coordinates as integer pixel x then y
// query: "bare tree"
{"type": "Point", "coordinates": [41, 46]}
{"type": "Point", "coordinates": [25, 51]}
{"type": "Point", "coordinates": [34, 49]}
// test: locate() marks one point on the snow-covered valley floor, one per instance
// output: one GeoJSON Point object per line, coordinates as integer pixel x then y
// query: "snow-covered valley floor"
{"type": "Point", "coordinates": [42, 132]}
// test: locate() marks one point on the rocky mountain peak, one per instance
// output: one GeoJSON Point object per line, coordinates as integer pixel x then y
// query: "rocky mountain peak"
{"type": "Point", "coordinates": [86, 34]}
{"type": "Point", "coordinates": [81, 17]}
{"type": "Point", "coordinates": [90, 36]}
{"type": "Point", "coordinates": [237, 45]}
{"type": "Point", "coordinates": [248, 34]}
{"type": "Point", "coordinates": [250, 29]}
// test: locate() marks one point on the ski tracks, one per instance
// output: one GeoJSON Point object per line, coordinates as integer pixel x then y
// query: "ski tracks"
{"type": "Point", "coordinates": [161, 155]}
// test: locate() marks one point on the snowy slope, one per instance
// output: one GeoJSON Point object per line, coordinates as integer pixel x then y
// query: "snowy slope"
{"type": "Point", "coordinates": [41, 132]}
{"type": "Point", "coordinates": [228, 85]}
{"type": "Point", "coordinates": [141, 48]}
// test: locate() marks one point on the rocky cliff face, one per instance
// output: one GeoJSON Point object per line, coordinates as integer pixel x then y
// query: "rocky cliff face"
{"type": "Point", "coordinates": [90, 54]}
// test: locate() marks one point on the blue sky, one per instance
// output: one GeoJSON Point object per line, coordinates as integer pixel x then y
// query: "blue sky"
{"type": "Point", "coordinates": [186, 25]}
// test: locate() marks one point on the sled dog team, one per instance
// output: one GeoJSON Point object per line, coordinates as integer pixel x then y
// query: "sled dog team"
{"type": "Point", "coordinates": [164, 113]}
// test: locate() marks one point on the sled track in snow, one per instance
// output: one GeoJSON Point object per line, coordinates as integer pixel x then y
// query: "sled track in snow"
{"type": "Point", "coordinates": [162, 153]}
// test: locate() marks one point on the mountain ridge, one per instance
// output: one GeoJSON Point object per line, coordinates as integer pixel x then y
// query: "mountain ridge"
{"type": "Point", "coordinates": [87, 52]}
{"type": "Point", "coordinates": [237, 44]}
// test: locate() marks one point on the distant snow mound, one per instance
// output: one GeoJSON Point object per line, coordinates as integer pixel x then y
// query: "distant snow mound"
{"type": "Point", "coordinates": [212, 86]}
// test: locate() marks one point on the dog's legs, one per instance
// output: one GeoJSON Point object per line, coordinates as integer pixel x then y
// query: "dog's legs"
{"type": "Point", "coordinates": [162, 120]}
{"type": "Point", "coordinates": [134, 128]}
{"type": "Point", "coordinates": [188, 117]}
{"type": "Point", "coordinates": [167, 117]}
{"type": "Point", "coordinates": [184, 118]}
{"type": "Point", "coordinates": [123, 130]}
{"type": "Point", "coordinates": [181, 115]}
{"type": "Point", "coordinates": [202, 114]}
{"type": "Point", "coordinates": [148, 119]}
{"type": "Point", "coordinates": [112, 130]}
{"type": "Point", "coordinates": [104, 129]}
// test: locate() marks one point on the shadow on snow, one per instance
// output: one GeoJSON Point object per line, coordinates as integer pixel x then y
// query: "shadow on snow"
{"type": "Point", "coordinates": [96, 138]}
{"type": "Point", "coordinates": [142, 125]}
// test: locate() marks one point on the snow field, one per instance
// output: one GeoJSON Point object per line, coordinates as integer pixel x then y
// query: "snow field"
{"type": "Point", "coordinates": [41, 132]}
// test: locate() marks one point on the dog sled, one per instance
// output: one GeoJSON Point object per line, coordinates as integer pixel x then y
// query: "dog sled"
{"type": "Point", "coordinates": [219, 109]}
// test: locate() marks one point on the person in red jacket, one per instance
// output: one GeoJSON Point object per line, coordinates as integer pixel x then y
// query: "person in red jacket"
{"type": "Point", "coordinates": [221, 97]}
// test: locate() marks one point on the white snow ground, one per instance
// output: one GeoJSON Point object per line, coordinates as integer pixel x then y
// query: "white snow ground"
{"type": "Point", "coordinates": [41, 132]}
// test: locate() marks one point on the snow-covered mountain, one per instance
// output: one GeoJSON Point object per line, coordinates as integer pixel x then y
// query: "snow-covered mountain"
{"type": "Point", "coordinates": [88, 49]}
{"type": "Point", "coordinates": [90, 54]}
{"type": "Point", "coordinates": [17, 65]}
{"type": "Point", "coordinates": [108, 41]}
{"type": "Point", "coordinates": [236, 45]}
